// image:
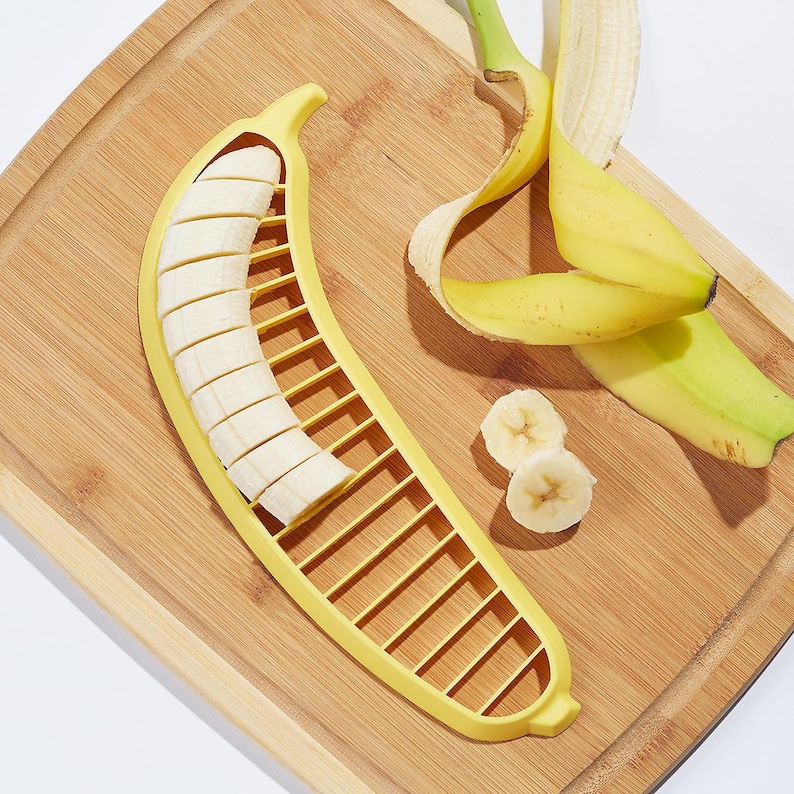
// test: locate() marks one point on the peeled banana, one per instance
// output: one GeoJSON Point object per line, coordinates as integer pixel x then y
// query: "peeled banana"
{"type": "Point", "coordinates": [205, 313]}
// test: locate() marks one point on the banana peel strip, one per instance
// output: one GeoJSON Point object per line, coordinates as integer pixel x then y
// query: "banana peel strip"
{"type": "Point", "coordinates": [600, 224]}
{"type": "Point", "coordinates": [518, 165]}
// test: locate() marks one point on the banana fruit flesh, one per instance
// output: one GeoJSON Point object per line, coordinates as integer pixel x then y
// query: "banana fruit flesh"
{"type": "Point", "coordinates": [519, 424]}
{"type": "Point", "coordinates": [550, 488]}
{"type": "Point", "coordinates": [205, 318]}
{"type": "Point", "coordinates": [231, 393]}
{"type": "Point", "coordinates": [205, 312]}
{"type": "Point", "coordinates": [202, 279]}
{"type": "Point", "coordinates": [550, 491]}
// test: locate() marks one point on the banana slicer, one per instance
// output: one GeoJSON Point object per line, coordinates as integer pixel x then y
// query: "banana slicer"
{"type": "Point", "coordinates": [388, 563]}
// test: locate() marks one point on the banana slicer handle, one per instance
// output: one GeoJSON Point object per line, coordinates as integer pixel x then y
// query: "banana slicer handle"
{"type": "Point", "coordinates": [555, 715]}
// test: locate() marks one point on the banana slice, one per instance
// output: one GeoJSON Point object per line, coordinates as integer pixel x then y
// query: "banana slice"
{"type": "Point", "coordinates": [209, 360]}
{"type": "Point", "coordinates": [202, 279]}
{"type": "Point", "coordinates": [519, 424]}
{"type": "Point", "coordinates": [249, 428]}
{"type": "Point", "coordinates": [194, 240]}
{"type": "Point", "coordinates": [225, 198]}
{"type": "Point", "coordinates": [255, 163]}
{"type": "Point", "coordinates": [232, 393]}
{"type": "Point", "coordinates": [550, 491]}
{"type": "Point", "coordinates": [205, 318]}
{"type": "Point", "coordinates": [305, 486]}
{"type": "Point", "coordinates": [261, 467]}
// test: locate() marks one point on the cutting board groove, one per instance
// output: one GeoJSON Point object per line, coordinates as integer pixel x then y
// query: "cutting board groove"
{"type": "Point", "coordinates": [671, 595]}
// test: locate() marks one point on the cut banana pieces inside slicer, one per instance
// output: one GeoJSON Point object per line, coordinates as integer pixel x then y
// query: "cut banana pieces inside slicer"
{"type": "Point", "coordinates": [255, 439]}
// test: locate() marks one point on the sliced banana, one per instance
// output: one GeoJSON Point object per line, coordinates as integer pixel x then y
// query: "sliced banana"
{"type": "Point", "coordinates": [197, 280]}
{"type": "Point", "coordinates": [232, 393]}
{"type": "Point", "coordinates": [306, 485]}
{"type": "Point", "coordinates": [209, 360]}
{"type": "Point", "coordinates": [205, 238]}
{"type": "Point", "coordinates": [249, 428]}
{"type": "Point", "coordinates": [224, 198]}
{"type": "Point", "coordinates": [208, 317]}
{"type": "Point", "coordinates": [519, 424]}
{"type": "Point", "coordinates": [257, 163]}
{"type": "Point", "coordinates": [205, 313]}
{"type": "Point", "coordinates": [261, 467]}
{"type": "Point", "coordinates": [551, 490]}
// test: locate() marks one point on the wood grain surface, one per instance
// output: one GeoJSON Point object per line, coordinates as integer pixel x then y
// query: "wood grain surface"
{"type": "Point", "coordinates": [671, 594]}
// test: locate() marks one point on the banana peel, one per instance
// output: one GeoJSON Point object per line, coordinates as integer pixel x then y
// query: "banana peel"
{"type": "Point", "coordinates": [689, 377]}
{"type": "Point", "coordinates": [543, 308]}
{"type": "Point", "coordinates": [683, 372]}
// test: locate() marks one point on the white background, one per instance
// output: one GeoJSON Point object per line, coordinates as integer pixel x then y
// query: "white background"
{"type": "Point", "coordinates": [83, 707]}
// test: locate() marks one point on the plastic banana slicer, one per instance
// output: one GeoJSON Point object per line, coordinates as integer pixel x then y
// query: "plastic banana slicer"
{"type": "Point", "coordinates": [395, 482]}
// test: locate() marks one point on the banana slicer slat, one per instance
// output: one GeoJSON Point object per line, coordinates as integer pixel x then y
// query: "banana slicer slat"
{"type": "Point", "coordinates": [471, 647]}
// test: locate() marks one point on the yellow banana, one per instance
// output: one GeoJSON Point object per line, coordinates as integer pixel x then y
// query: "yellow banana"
{"type": "Point", "coordinates": [542, 308]}
{"type": "Point", "coordinates": [685, 374]}
{"type": "Point", "coordinates": [689, 377]}
{"type": "Point", "coordinates": [602, 226]}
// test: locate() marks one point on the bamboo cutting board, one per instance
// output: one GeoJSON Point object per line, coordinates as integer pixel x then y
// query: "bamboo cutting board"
{"type": "Point", "coordinates": [672, 593]}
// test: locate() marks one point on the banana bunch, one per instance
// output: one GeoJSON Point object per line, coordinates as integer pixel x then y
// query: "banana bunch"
{"type": "Point", "coordinates": [205, 312]}
{"type": "Point", "coordinates": [634, 305]}
{"type": "Point", "coordinates": [550, 488]}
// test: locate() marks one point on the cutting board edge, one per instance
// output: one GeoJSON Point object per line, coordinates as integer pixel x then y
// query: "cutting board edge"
{"type": "Point", "coordinates": [165, 637]}
{"type": "Point", "coordinates": [100, 577]}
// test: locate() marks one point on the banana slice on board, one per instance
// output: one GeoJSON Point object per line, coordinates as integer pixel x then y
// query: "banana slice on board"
{"type": "Point", "coordinates": [519, 424]}
{"type": "Point", "coordinates": [213, 383]}
{"type": "Point", "coordinates": [551, 490]}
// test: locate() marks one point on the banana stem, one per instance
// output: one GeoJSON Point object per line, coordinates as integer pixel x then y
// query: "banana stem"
{"type": "Point", "coordinates": [502, 60]}
{"type": "Point", "coordinates": [499, 51]}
